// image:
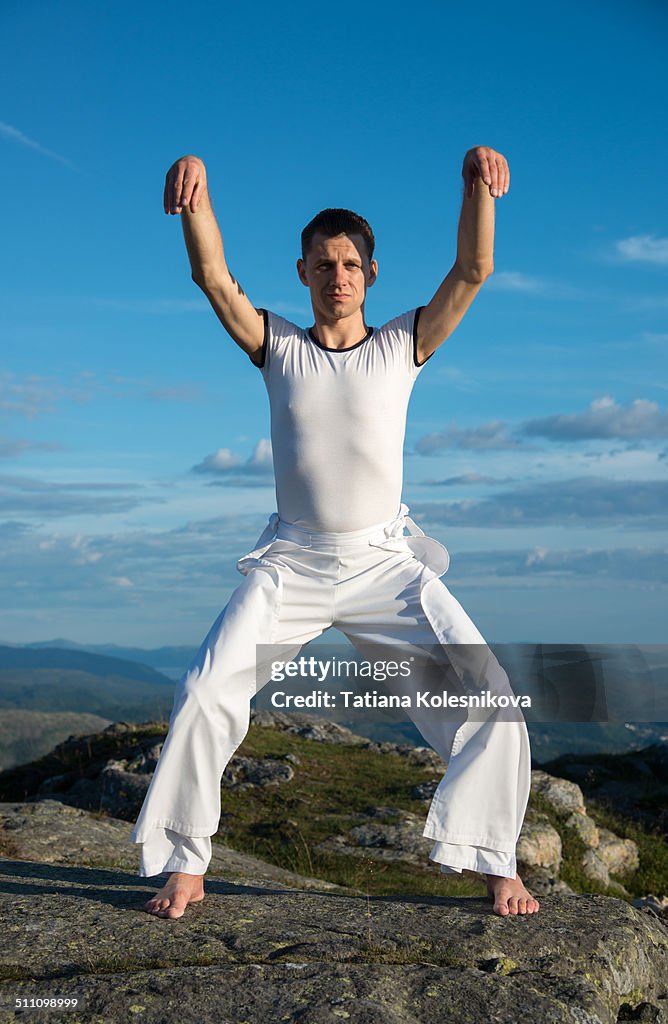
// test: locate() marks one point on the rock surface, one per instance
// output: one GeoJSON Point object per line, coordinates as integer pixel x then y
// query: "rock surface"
{"type": "Point", "coordinates": [561, 794]}
{"type": "Point", "coordinates": [267, 945]}
{"type": "Point", "coordinates": [595, 868]}
{"type": "Point", "coordinates": [539, 845]}
{"type": "Point", "coordinates": [53, 833]}
{"type": "Point", "coordinates": [585, 827]}
{"type": "Point", "coordinates": [619, 855]}
{"type": "Point", "coordinates": [257, 951]}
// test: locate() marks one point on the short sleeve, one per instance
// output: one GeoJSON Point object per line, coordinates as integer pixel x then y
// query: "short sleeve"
{"type": "Point", "coordinates": [402, 330]}
{"type": "Point", "coordinates": [277, 330]}
{"type": "Point", "coordinates": [260, 363]}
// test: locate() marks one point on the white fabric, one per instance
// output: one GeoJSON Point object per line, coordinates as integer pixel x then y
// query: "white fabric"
{"type": "Point", "coordinates": [338, 419]}
{"type": "Point", "coordinates": [378, 588]}
{"type": "Point", "coordinates": [338, 424]}
{"type": "Point", "coordinates": [170, 851]}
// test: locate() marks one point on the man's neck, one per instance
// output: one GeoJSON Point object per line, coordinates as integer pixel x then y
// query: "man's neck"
{"type": "Point", "coordinates": [340, 333]}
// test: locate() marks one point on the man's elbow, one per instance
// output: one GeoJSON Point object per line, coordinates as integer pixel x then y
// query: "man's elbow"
{"type": "Point", "coordinates": [478, 273]}
{"type": "Point", "coordinates": [205, 281]}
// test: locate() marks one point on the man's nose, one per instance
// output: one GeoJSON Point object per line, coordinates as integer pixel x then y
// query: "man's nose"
{"type": "Point", "coordinates": [340, 273]}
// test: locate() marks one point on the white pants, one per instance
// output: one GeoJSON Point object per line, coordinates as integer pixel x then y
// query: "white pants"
{"type": "Point", "coordinates": [381, 589]}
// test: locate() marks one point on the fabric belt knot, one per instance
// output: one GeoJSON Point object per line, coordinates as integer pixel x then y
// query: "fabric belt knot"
{"type": "Point", "coordinates": [403, 522]}
{"type": "Point", "coordinates": [264, 541]}
{"type": "Point", "coordinates": [430, 552]}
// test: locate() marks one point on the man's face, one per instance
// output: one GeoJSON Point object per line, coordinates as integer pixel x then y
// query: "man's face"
{"type": "Point", "coordinates": [338, 272]}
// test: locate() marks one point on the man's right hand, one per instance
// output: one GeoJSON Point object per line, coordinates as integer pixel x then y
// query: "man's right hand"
{"type": "Point", "coordinates": [185, 184]}
{"type": "Point", "coordinates": [186, 191]}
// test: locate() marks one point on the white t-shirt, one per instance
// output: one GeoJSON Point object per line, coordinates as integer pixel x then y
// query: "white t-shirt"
{"type": "Point", "coordinates": [338, 421]}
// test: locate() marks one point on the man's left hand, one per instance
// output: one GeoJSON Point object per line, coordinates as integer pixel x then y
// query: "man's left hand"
{"type": "Point", "coordinates": [484, 162]}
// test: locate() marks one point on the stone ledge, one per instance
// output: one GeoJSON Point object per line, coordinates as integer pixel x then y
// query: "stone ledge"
{"type": "Point", "coordinates": [264, 952]}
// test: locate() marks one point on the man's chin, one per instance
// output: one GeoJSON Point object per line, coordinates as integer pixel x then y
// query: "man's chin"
{"type": "Point", "coordinates": [339, 311]}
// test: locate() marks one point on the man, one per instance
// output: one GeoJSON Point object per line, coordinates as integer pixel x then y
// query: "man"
{"type": "Point", "coordinates": [335, 552]}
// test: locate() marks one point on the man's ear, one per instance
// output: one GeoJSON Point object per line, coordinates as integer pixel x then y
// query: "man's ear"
{"type": "Point", "coordinates": [373, 273]}
{"type": "Point", "coordinates": [301, 270]}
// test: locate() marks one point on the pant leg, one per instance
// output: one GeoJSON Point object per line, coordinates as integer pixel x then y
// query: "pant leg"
{"type": "Point", "coordinates": [276, 604]}
{"type": "Point", "coordinates": [477, 811]}
{"type": "Point", "coordinates": [166, 850]}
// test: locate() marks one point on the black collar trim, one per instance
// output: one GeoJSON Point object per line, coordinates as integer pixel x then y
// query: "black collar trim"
{"type": "Point", "coordinates": [350, 347]}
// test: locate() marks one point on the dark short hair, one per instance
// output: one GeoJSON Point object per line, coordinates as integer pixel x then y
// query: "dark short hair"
{"type": "Point", "coordinates": [333, 222]}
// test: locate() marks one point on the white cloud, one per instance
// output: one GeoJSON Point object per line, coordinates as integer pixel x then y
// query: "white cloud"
{"type": "Point", "coordinates": [465, 479]}
{"type": "Point", "coordinates": [262, 458]}
{"type": "Point", "coordinates": [287, 307]}
{"type": "Point", "coordinates": [587, 564]}
{"type": "Point", "coordinates": [35, 394]}
{"type": "Point", "coordinates": [604, 418]}
{"type": "Point", "coordinates": [514, 281]}
{"type": "Point", "coordinates": [93, 570]}
{"type": "Point", "coordinates": [30, 497]}
{"type": "Point", "coordinates": [15, 135]}
{"type": "Point", "coordinates": [536, 556]}
{"type": "Point", "coordinates": [641, 420]}
{"type": "Point", "coordinates": [643, 249]}
{"type": "Point", "coordinates": [224, 461]}
{"type": "Point", "coordinates": [487, 436]}
{"type": "Point", "coordinates": [629, 504]}
{"type": "Point", "coordinates": [10, 447]}
{"type": "Point", "coordinates": [219, 462]}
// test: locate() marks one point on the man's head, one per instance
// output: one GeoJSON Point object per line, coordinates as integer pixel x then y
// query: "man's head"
{"type": "Point", "coordinates": [337, 262]}
{"type": "Point", "coordinates": [333, 222]}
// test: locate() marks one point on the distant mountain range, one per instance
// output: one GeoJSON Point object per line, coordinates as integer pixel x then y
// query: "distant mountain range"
{"type": "Point", "coordinates": [50, 693]}
{"type": "Point", "coordinates": [53, 681]}
{"type": "Point", "coordinates": [78, 659]}
{"type": "Point", "coordinates": [170, 661]}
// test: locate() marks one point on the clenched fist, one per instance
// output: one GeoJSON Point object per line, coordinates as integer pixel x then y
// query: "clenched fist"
{"type": "Point", "coordinates": [185, 184]}
{"type": "Point", "coordinates": [486, 163]}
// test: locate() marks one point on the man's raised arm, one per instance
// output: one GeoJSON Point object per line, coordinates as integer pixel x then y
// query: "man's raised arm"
{"type": "Point", "coordinates": [486, 177]}
{"type": "Point", "coordinates": [187, 193]}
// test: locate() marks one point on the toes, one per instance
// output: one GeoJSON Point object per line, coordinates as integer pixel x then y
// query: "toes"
{"type": "Point", "coordinates": [531, 903]}
{"type": "Point", "coordinates": [179, 904]}
{"type": "Point", "coordinates": [156, 905]}
{"type": "Point", "coordinates": [173, 905]}
{"type": "Point", "coordinates": [518, 903]}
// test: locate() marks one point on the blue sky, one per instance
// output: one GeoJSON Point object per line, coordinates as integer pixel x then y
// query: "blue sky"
{"type": "Point", "coordinates": [537, 440]}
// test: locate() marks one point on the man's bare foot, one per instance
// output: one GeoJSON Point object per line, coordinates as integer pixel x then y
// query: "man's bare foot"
{"type": "Point", "coordinates": [510, 895]}
{"type": "Point", "coordinates": [179, 890]}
